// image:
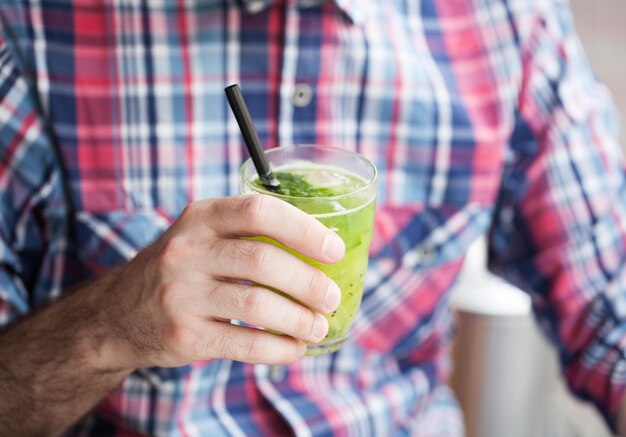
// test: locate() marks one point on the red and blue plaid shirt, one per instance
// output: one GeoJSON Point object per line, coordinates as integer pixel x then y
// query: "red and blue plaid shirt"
{"type": "Point", "coordinates": [482, 117]}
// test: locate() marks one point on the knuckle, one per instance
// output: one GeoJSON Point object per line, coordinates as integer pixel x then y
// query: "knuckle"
{"type": "Point", "coordinates": [168, 296]}
{"type": "Point", "coordinates": [254, 301]}
{"type": "Point", "coordinates": [251, 208]}
{"type": "Point", "coordinates": [191, 210]}
{"type": "Point", "coordinates": [305, 231]}
{"type": "Point", "coordinates": [259, 257]}
{"type": "Point", "coordinates": [251, 253]}
{"type": "Point", "coordinates": [304, 322]}
{"type": "Point", "coordinates": [171, 252]}
{"type": "Point", "coordinates": [221, 209]}
{"type": "Point", "coordinates": [177, 337]}
{"type": "Point", "coordinates": [252, 346]}
{"type": "Point", "coordinates": [316, 290]}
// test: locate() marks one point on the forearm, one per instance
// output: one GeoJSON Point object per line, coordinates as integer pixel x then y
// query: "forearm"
{"type": "Point", "coordinates": [53, 367]}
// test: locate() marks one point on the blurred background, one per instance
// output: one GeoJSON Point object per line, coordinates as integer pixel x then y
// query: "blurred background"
{"type": "Point", "coordinates": [506, 375]}
{"type": "Point", "coordinates": [601, 25]}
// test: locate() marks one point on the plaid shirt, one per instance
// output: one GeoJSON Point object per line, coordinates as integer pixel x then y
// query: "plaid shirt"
{"type": "Point", "coordinates": [482, 117]}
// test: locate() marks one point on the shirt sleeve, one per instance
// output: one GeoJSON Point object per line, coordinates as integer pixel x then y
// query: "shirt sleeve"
{"type": "Point", "coordinates": [560, 224]}
{"type": "Point", "coordinates": [32, 207]}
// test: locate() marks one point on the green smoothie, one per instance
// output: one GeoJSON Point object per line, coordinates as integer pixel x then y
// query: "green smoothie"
{"type": "Point", "coordinates": [327, 193]}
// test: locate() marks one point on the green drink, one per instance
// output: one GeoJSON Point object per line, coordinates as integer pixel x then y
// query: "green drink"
{"type": "Point", "coordinates": [339, 189]}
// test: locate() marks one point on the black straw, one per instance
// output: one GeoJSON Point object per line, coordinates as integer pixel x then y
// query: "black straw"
{"type": "Point", "coordinates": [251, 137]}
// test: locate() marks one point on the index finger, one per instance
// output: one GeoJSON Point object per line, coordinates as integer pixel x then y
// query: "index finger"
{"type": "Point", "coordinates": [263, 215]}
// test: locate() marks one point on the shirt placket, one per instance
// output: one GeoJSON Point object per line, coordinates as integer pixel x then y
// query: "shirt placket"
{"type": "Point", "coordinates": [296, 94]}
{"type": "Point", "coordinates": [268, 379]}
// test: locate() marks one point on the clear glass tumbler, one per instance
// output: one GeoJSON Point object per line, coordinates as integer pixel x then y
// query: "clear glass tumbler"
{"type": "Point", "coordinates": [348, 184]}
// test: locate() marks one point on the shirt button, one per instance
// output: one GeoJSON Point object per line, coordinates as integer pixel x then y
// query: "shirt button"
{"type": "Point", "coordinates": [277, 373]}
{"type": "Point", "coordinates": [426, 254]}
{"type": "Point", "coordinates": [302, 95]}
{"type": "Point", "coordinates": [255, 6]}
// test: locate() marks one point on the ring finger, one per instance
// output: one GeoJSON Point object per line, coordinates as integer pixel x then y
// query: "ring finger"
{"type": "Point", "coordinates": [258, 306]}
{"type": "Point", "coordinates": [269, 265]}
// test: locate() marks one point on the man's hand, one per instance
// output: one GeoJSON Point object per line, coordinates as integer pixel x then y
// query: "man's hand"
{"type": "Point", "coordinates": [171, 305]}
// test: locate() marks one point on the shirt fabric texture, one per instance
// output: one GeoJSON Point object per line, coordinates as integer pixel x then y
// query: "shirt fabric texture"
{"type": "Point", "coordinates": [482, 117]}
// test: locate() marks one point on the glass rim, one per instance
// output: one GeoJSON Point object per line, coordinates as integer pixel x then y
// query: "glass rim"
{"type": "Point", "coordinates": [362, 158]}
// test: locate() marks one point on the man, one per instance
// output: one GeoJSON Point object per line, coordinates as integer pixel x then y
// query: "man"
{"type": "Point", "coordinates": [482, 117]}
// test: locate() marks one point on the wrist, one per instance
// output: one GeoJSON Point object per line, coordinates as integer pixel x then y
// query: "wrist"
{"type": "Point", "coordinates": [109, 351]}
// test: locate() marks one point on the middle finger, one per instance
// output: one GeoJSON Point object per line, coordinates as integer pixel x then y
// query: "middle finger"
{"type": "Point", "coordinates": [269, 265]}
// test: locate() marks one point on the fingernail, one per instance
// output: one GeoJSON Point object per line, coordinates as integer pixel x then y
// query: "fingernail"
{"type": "Point", "coordinates": [320, 328]}
{"type": "Point", "coordinates": [332, 299]}
{"type": "Point", "coordinates": [333, 247]}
